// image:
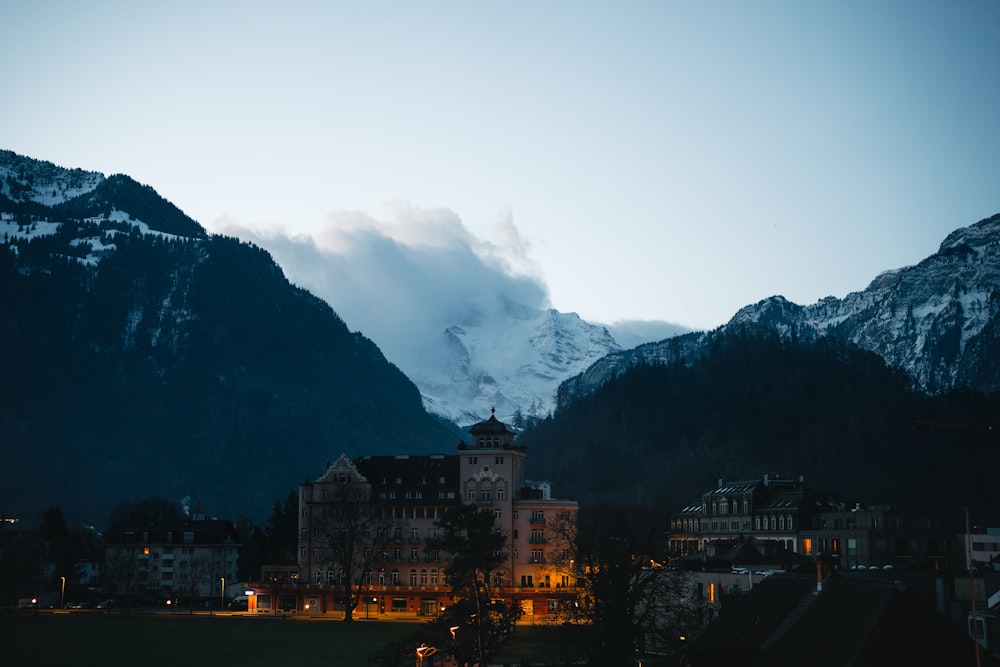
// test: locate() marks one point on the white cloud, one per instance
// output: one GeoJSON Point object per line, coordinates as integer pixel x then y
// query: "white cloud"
{"type": "Point", "coordinates": [404, 277]}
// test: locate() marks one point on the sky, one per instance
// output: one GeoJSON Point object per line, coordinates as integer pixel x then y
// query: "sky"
{"type": "Point", "coordinates": [627, 161]}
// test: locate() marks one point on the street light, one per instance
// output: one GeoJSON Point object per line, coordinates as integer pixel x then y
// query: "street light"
{"type": "Point", "coordinates": [62, 593]}
{"type": "Point", "coordinates": [222, 596]}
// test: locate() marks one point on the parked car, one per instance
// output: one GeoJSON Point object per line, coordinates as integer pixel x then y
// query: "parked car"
{"type": "Point", "coordinates": [239, 603]}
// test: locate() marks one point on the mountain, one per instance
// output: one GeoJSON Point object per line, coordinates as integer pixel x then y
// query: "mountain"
{"type": "Point", "coordinates": [143, 357]}
{"type": "Point", "coordinates": [470, 334]}
{"type": "Point", "coordinates": [939, 321]}
{"type": "Point", "coordinates": [759, 403]}
{"type": "Point", "coordinates": [512, 362]}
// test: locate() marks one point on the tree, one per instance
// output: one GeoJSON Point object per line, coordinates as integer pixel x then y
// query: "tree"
{"type": "Point", "coordinates": [476, 546]}
{"type": "Point", "coordinates": [629, 604]}
{"type": "Point", "coordinates": [350, 532]}
{"type": "Point", "coordinates": [131, 515]}
{"type": "Point", "coordinates": [282, 531]}
{"type": "Point", "coordinates": [195, 572]}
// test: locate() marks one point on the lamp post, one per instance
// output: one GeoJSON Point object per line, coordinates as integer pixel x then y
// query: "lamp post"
{"type": "Point", "coordinates": [62, 593]}
{"type": "Point", "coordinates": [222, 596]}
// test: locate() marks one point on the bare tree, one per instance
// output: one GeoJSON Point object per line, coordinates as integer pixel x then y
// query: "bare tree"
{"type": "Point", "coordinates": [350, 534]}
{"type": "Point", "coordinates": [195, 572]}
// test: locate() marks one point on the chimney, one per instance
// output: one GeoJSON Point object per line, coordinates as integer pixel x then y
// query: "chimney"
{"type": "Point", "coordinates": [720, 483]}
{"type": "Point", "coordinates": [766, 481]}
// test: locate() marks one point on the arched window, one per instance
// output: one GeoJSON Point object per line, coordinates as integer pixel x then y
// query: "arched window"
{"type": "Point", "coordinates": [394, 580]}
{"type": "Point", "coordinates": [413, 577]}
{"type": "Point", "coordinates": [756, 522]}
{"type": "Point", "coordinates": [788, 522]}
{"type": "Point", "coordinates": [423, 577]}
{"type": "Point", "coordinates": [774, 522]}
{"type": "Point", "coordinates": [781, 522]}
{"type": "Point", "coordinates": [434, 577]}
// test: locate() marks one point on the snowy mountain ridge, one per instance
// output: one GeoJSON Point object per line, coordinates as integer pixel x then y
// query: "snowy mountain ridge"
{"type": "Point", "coordinates": [511, 362]}
{"type": "Point", "coordinates": [939, 320]}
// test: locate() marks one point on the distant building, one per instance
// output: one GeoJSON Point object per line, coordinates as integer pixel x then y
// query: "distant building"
{"type": "Point", "coordinates": [173, 559]}
{"type": "Point", "coordinates": [811, 522]}
{"type": "Point", "coordinates": [878, 537]}
{"type": "Point", "coordinates": [767, 509]}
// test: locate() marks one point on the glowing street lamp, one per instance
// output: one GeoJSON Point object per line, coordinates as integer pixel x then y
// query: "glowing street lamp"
{"type": "Point", "coordinates": [62, 593]}
{"type": "Point", "coordinates": [222, 596]}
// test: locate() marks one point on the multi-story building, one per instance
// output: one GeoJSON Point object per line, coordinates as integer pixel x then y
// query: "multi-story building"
{"type": "Point", "coordinates": [810, 523]}
{"type": "Point", "coordinates": [406, 496]}
{"type": "Point", "coordinates": [876, 537]}
{"type": "Point", "coordinates": [767, 509]}
{"type": "Point", "coordinates": [173, 559]}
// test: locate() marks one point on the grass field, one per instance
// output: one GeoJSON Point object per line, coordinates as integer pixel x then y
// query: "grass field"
{"type": "Point", "coordinates": [152, 640]}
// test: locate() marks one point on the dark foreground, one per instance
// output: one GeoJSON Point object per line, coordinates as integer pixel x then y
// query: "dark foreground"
{"type": "Point", "coordinates": [150, 640]}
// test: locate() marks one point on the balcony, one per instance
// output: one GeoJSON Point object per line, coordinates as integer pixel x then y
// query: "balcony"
{"type": "Point", "coordinates": [537, 539]}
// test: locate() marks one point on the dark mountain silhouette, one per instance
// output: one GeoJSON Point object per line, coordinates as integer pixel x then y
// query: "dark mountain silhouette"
{"type": "Point", "coordinates": [142, 357]}
{"type": "Point", "coordinates": [757, 403]}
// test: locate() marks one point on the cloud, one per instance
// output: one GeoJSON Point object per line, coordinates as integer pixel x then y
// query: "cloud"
{"type": "Point", "coordinates": [403, 278]}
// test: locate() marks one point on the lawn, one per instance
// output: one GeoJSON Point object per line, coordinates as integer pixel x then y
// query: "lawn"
{"type": "Point", "coordinates": [149, 640]}
{"type": "Point", "coordinates": [539, 645]}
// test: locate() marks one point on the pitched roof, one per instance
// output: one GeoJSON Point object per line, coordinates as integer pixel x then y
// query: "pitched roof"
{"type": "Point", "coordinates": [854, 621]}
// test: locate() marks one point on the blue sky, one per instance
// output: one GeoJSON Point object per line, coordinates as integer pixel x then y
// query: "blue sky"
{"type": "Point", "coordinates": [632, 160]}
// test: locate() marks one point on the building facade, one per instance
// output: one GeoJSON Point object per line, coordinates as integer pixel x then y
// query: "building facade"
{"type": "Point", "coordinates": [192, 560]}
{"type": "Point", "coordinates": [402, 499]}
{"type": "Point", "coordinates": [767, 509]}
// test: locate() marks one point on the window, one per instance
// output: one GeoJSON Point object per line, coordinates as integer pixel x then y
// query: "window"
{"type": "Point", "coordinates": [498, 461]}
{"type": "Point", "coordinates": [711, 592]}
{"type": "Point", "coordinates": [471, 494]}
{"type": "Point", "coordinates": [537, 556]}
{"type": "Point", "coordinates": [472, 460]}
{"type": "Point", "coordinates": [486, 495]}
{"type": "Point", "coordinates": [434, 577]}
{"type": "Point", "coordinates": [807, 545]}
{"type": "Point", "coordinates": [414, 555]}
{"type": "Point", "coordinates": [394, 577]}
{"type": "Point", "coordinates": [500, 494]}
{"type": "Point", "coordinates": [423, 577]}
{"type": "Point", "coordinates": [413, 577]}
